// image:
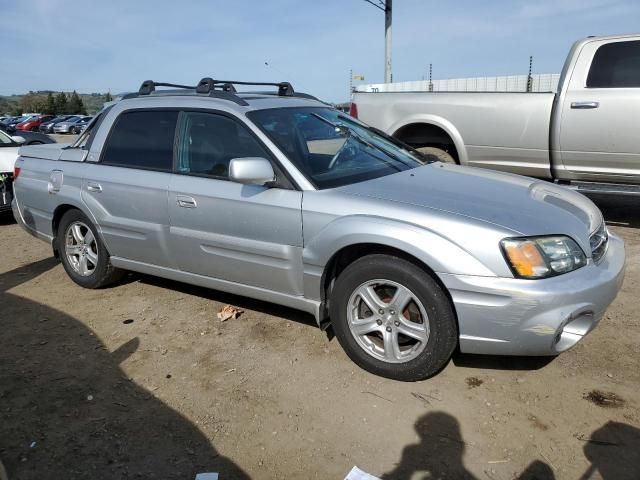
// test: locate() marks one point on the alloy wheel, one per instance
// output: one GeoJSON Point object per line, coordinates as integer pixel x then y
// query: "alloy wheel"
{"type": "Point", "coordinates": [81, 248]}
{"type": "Point", "coordinates": [388, 321]}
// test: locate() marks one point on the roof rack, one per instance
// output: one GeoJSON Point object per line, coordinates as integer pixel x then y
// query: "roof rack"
{"type": "Point", "coordinates": [223, 89]}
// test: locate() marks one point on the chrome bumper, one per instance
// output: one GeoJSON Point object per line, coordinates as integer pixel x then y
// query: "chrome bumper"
{"type": "Point", "coordinates": [508, 316]}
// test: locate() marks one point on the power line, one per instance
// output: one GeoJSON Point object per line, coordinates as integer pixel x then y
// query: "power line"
{"type": "Point", "coordinates": [379, 5]}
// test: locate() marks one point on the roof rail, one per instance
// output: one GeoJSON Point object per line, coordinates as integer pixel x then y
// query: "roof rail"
{"type": "Point", "coordinates": [207, 84]}
{"type": "Point", "coordinates": [223, 89]}
{"type": "Point", "coordinates": [149, 86]}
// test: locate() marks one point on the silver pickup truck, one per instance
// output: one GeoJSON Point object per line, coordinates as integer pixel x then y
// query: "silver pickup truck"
{"type": "Point", "coordinates": [585, 135]}
{"type": "Point", "coordinates": [282, 198]}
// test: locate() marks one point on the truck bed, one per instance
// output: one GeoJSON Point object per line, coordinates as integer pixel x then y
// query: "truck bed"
{"type": "Point", "coordinates": [507, 131]}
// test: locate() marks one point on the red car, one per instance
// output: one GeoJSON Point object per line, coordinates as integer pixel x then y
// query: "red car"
{"type": "Point", "coordinates": [33, 124]}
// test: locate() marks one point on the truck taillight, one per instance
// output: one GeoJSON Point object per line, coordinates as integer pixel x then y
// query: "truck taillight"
{"type": "Point", "coordinates": [353, 110]}
{"type": "Point", "coordinates": [16, 172]}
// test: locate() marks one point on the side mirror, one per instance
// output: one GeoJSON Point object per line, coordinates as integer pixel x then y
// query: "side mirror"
{"type": "Point", "coordinates": [251, 171]}
{"type": "Point", "coordinates": [18, 140]}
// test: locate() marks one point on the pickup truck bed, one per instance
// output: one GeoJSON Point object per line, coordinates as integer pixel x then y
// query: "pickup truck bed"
{"type": "Point", "coordinates": [505, 131]}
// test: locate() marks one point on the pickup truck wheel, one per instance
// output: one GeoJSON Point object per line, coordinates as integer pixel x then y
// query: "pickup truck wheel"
{"type": "Point", "coordinates": [392, 318]}
{"type": "Point", "coordinates": [438, 153]}
{"type": "Point", "coordinates": [83, 254]}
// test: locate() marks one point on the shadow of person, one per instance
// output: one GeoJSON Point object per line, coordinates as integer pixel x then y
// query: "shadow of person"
{"type": "Point", "coordinates": [439, 453]}
{"type": "Point", "coordinates": [67, 409]}
{"type": "Point", "coordinates": [537, 470]}
{"type": "Point", "coordinates": [614, 452]}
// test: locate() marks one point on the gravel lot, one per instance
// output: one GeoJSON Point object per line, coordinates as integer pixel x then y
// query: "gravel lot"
{"type": "Point", "coordinates": [141, 380]}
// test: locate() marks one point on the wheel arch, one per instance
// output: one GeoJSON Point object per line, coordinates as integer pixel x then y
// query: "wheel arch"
{"type": "Point", "coordinates": [349, 254]}
{"type": "Point", "coordinates": [431, 130]}
{"type": "Point", "coordinates": [58, 213]}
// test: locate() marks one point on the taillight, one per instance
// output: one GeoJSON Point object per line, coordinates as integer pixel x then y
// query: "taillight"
{"type": "Point", "coordinates": [353, 110]}
{"type": "Point", "coordinates": [16, 172]}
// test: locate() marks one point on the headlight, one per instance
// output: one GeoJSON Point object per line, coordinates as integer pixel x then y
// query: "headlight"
{"type": "Point", "coordinates": [541, 257]}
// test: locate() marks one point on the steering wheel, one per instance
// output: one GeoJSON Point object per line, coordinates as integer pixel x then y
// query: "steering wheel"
{"type": "Point", "coordinates": [347, 152]}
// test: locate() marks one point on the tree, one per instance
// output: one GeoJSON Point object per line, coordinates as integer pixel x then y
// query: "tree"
{"type": "Point", "coordinates": [76, 105]}
{"type": "Point", "coordinates": [108, 97]}
{"type": "Point", "coordinates": [51, 108]}
{"type": "Point", "coordinates": [61, 103]}
{"type": "Point", "coordinates": [33, 102]}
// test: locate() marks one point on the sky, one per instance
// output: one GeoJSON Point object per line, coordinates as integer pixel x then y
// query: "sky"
{"type": "Point", "coordinates": [96, 46]}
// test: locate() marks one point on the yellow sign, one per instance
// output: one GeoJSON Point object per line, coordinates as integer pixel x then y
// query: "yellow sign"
{"type": "Point", "coordinates": [358, 77]}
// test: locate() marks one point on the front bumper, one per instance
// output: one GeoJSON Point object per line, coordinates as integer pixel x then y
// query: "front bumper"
{"type": "Point", "coordinates": [509, 316]}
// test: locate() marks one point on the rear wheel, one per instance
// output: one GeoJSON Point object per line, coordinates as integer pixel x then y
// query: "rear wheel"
{"type": "Point", "coordinates": [438, 154]}
{"type": "Point", "coordinates": [83, 254]}
{"type": "Point", "coordinates": [392, 318]}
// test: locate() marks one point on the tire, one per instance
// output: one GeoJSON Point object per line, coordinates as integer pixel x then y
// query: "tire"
{"type": "Point", "coordinates": [89, 264]}
{"type": "Point", "coordinates": [428, 315]}
{"type": "Point", "coordinates": [439, 154]}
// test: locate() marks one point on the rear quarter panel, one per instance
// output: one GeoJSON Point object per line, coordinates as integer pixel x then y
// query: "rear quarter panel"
{"type": "Point", "coordinates": [35, 203]}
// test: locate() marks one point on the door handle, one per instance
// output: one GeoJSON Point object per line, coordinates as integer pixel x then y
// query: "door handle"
{"type": "Point", "coordinates": [584, 105]}
{"type": "Point", "coordinates": [186, 202]}
{"type": "Point", "coordinates": [94, 187]}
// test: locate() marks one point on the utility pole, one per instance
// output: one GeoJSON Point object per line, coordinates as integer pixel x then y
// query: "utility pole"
{"type": "Point", "coordinates": [386, 7]}
{"type": "Point", "coordinates": [350, 83]}
{"type": "Point", "coordinates": [388, 77]}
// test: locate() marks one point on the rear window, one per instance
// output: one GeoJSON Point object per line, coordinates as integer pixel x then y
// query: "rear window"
{"type": "Point", "coordinates": [615, 65]}
{"type": "Point", "coordinates": [142, 139]}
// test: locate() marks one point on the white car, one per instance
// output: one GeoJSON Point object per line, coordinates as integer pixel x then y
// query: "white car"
{"type": "Point", "coordinates": [8, 154]}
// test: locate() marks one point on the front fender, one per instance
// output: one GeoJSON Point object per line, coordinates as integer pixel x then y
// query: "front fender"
{"type": "Point", "coordinates": [437, 252]}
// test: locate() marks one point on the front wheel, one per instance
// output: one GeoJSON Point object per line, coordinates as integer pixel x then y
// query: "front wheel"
{"type": "Point", "coordinates": [83, 254]}
{"type": "Point", "coordinates": [392, 318]}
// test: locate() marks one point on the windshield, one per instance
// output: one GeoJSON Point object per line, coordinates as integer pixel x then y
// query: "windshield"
{"type": "Point", "coordinates": [333, 149]}
{"type": "Point", "coordinates": [5, 139]}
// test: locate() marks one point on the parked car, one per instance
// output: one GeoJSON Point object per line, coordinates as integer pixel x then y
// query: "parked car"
{"type": "Point", "coordinates": [68, 125]}
{"type": "Point", "coordinates": [406, 260]}
{"type": "Point", "coordinates": [8, 154]}
{"type": "Point", "coordinates": [31, 138]}
{"type": "Point", "coordinates": [7, 120]}
{"type": "Point", "coordinates": [81, 125]}
{"type": "Point", "coordinates": [47, 127]}
{"type": "Point", "coordinates": [11, 124]}
{"type": "Point", "coordinates": [33, 124]}
{"type": "Point", "coordinates": [584, 136]}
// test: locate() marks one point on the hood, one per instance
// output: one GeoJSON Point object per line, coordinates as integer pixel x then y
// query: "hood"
{"type": "Point", "coordinates": [523, 205]}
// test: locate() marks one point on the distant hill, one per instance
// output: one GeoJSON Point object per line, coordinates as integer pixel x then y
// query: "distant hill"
{"type": "Point", "coordinates": [10, 104]}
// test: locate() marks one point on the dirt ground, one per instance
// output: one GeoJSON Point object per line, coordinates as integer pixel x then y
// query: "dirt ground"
{"type": "Point", "coordinates": [141, 380]}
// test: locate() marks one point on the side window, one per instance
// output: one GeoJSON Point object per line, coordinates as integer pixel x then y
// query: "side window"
{"type": "Point", "coordinates": [209, 141]}
{"type": "Point", "coordinates": [142, 139]}
{"type": "Point", "coordinates": [615, 65]}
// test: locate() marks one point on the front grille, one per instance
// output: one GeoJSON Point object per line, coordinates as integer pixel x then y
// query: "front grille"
{"type": "Point", "coordinates": [599, 240]}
